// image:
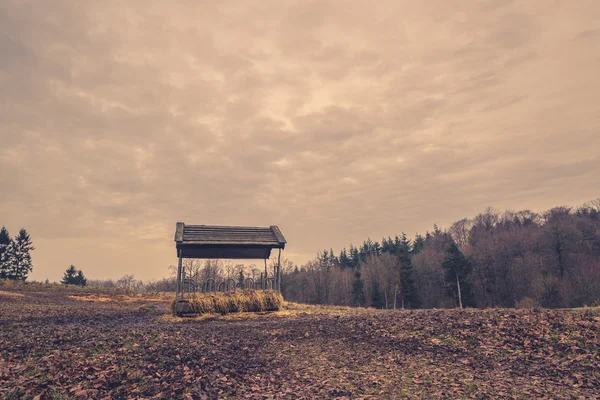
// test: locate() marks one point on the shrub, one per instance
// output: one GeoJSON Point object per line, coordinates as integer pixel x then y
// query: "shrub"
{"type": "Point", "coordinates": [232, 302]}
{"type": "Point", "coordinates": [526, 303]}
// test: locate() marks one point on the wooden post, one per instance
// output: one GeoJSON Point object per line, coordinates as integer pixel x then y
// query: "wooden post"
{"type": "Point", "coordinates": [265, 287]}
{"type": "Point", "coordinates": [459, 294]}
{"type": "Point", "coordinates": [179, 275]}
{"type": "Point", "coordinates": [279, 271]}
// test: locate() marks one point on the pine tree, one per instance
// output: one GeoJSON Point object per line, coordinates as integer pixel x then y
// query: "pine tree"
{"type": "Point", "coordinates": [345, 261]}
{"type": "Point", "coordinates": [397, 245]}
{"type": "Point", "coordinates": [410, 297]}
{"type": "Point", "coordinates": [5, 244]}
{"type": "Point", "coordinates": [386, 245]}
{"type": "Point", "coordinates": [19, 254]}
{"type": "Point", "coordinates": [358, 291]}
{"type": "Point", "coordinates": [418, 244]}
{"type": "Point", "coordinates": [376, 248]}
{"type": "Point", "coordinates": [70, 276]}
{"type": "Point", "coordinates": [73, 276]}
{"type": "Point", "coordinates": [354, 257]}
{"type": "Point", "coordinates": [457, 270]}
{"type": "Point", "coordinates": [377, 299]}
{"type": "Point", "coordinates": [80, 279]}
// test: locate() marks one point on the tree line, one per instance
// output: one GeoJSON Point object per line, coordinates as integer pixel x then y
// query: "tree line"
{"type": "Point", "coordinates": [15, 255]}
{"type": "Point", "coordinates": [495, 259]}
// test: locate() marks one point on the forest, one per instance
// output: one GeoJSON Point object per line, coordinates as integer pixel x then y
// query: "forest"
{"type": "Point", "coordinates": [500, 259]}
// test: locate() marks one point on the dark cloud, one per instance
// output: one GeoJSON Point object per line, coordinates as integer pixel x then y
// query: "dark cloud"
{"type": "Point", "coordinates": [336, 121]}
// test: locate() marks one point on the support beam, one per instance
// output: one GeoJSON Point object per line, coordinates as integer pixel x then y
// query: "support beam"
{"type": "Point", "coordinates": [179, 275]}
{"type": "Point", "coordinates": [266, 276]}
{"type": "Point", "coordinates": [279, 272]}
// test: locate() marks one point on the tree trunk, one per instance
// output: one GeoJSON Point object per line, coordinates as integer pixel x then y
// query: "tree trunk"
{"type": "Point", "coordinates": [395, 296]}
{"type": "Point", "coordinates": [459, 294]}
{"type": "Point", "coordinates": [386, 299]}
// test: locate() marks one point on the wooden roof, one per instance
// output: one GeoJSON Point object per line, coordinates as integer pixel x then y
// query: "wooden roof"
{"type": "Point", "coordinates": [207, 241]}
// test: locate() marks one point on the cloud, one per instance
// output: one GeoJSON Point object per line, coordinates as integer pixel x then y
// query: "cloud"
{"type": "Point", "coordinates": [336, 123]}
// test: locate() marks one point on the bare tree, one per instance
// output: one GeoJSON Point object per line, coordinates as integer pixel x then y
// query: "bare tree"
{"type": "Point", "coordinates": [460, 234]}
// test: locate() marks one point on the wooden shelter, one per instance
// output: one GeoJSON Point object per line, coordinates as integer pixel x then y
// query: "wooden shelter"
{"type": "Point", "coordinates": [233, 242]}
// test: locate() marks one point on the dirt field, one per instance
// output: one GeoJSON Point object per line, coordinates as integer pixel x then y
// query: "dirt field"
{"type": "Point", "coordinates": [59, 344]}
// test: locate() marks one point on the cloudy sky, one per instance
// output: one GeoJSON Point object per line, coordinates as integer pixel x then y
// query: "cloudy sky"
{"type": "Point", "coordinates": [335, 120]}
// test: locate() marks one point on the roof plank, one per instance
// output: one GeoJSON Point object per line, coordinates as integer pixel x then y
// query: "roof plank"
{"type": "Point", "coordinates": [207, 241]}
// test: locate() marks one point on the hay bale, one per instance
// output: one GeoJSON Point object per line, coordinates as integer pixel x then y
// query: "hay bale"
{"type": "Point", "coordinates": [232, 302]}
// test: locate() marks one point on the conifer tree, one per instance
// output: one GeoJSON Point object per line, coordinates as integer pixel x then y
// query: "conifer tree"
{"type": "Point", "coordinates": [73, 276]}
{"type": "Point", "coordinates": [385, 245]}
{"type": "Point", "coordinates": [354, 256]}
{"type": "Point", "coordinates": [410, 297]}
{"type": "Point", "coordinates": [418, 244]}
{"type": "Point", "coordinates": [5, 244]}
{"type": "Point", "coordinates": [457, 269]}
{"type": "Point", "coordinates": [377, 299]}
{"type": "Point", "coordinates": [70, 276]}
{"type": "Point", "coordinates": [19, 257]}
{"type": "Point", "coordinates": [343, 259]}
{"type": "Point", "coordinates": [358, 291]}
{"type": "Point", "coordinates": [80, 279]}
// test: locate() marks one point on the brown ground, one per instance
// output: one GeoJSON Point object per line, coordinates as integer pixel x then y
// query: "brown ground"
{"type": "Point", "coordinates": [63, 343]}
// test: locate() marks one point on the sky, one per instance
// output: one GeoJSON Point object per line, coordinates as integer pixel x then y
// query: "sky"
{"type": "Point", "coordinates": [335, 120]}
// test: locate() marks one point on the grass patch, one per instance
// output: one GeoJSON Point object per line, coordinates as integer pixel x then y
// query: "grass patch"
{"type": "Point", "coordinates": [232, 302]}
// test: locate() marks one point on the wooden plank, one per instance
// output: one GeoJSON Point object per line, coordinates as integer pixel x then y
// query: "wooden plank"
{"type": "Point", "coordinates": [230, 234]}
{"type": "Point", "coordinates": [188, 239]}
{"type": "Point", "coordinates": [227, 232]}
{"type": "Point", "coordinates": [226, 227]}
{"type": "Point", "coordinates": [217, 228]}
{"type": "Point", "coordinates": [179, 275]}
{"type": "Point", "coordinates": [278, 234]}
{"type": "Point", "coordinates": [229, 237]}
{"type": "Point", "coordinates": [273, 244]}
{"type": "Point", "coordinates": [179, 232]}
{"type": "Point", "coordinates": [226, 252]}
{"type": "Point", "coordinates": [205, 241]}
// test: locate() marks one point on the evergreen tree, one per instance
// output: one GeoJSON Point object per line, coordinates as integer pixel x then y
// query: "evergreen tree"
{"type": "Point", "coordinates": [70, 276]}
{"type": "Point", "coordinates": [362, 253]}
{"type": "Point", "coordinates": [386, 245]}
{"type": "Point", "coordinates": [397, 245]}
{"type": "Point", "coordinates": [358, 291]}
{"type": "Point", "coordinates": [418, 244]}
{"type": "Point", "coordinates": [457, 269]}
{"type": "Point", "coordinates": [73, 276]}
{"type": "Point", "coordinates": [377, 299]}
{"type": "Point", "coordinates": [80, 279]}
{"type": "Point", "coordinates": [333, 260]}
{"type": "Point", "coordinates": [376, 248]}
{"type": "Point", "coordinates": [410, 297]}
{"type": "Point", "coordinates": [354, 257]}
{"type": "Point", "coordinates": [5, 244]}
{"type": "Point", "coordinates": [19, 257]}
{"type": "Point", "coordinates": [344, 259]}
